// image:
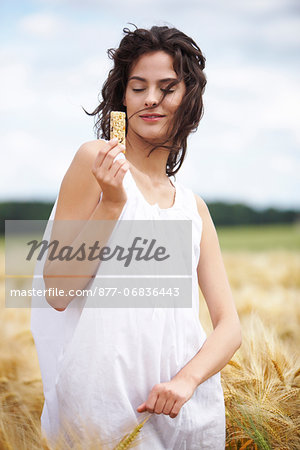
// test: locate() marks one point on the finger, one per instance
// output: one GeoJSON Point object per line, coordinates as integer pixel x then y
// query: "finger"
{"type": "Point", "coordinates": [101, 154]}
{"type": "Point", "coordinates": [121, 171]}
{"type": "Point", "coordinates": [168, 406]}
{"type": "Point", "coordinates": [151, 401]}
{"type": "Point", "coordinates": [175, 410]}
{"type": "Point", "coordinates": [103, 170]}
{"type": "Point", "coordinates": [160, 404]}
{"type": "Point", "coordinates": [142, 408]}
{"type": "Point", "coordinates": [110, 156]}
{"type": "Point", "coordinates": [116, 167]}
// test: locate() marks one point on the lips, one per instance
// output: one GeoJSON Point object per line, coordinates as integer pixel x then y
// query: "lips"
{"type": "Point", "coordinates": [152, 115]}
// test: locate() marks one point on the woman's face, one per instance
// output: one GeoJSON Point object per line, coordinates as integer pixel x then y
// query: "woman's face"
{"type": "Point", "coordinates": [148, 78]}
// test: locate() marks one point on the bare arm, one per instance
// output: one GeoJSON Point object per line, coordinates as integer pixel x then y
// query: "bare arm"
{"type": "Point", "coordinates": [226, 338]}
{"type": "Point", "coordinates": [168, 397]}
{"type": "Point", "coordinates": [81, 219]}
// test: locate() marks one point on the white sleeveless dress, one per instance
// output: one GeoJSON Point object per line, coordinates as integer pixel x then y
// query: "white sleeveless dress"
{"type": "Point", "coordinates": [99, 364]}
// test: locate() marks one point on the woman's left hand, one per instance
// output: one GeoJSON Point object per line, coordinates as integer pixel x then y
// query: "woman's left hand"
{"type": "Point", "coordinates": [169, 397]}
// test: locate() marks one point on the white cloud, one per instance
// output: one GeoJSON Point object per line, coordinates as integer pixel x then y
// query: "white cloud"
{"type": "Point", "coordinates": [18, 93]}
{"type": "Point", "coordinates": [46, 80]}
{"type": "Point", "coordinates": [253, 97]}
{"type": "Point", "coordinates": [280, 31]}
{"type": "Point", "coordinates": [34, 167]}
{"type": "Point", "coordinates": [258, 6]}
{"type": "Point", "coordinates": [249, 6]}
{"type": "Point", "coordinates": [42, 24]}
{"type": "Point", "coordinates": [283, 164]}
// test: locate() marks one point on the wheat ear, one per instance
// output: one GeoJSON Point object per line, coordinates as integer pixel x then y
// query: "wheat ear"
{"type": "Point", "coordinates": [127, 440]}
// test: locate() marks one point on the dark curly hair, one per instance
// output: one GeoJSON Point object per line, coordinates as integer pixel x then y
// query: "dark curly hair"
{"type": "Point", "coordinates": [188, 63]}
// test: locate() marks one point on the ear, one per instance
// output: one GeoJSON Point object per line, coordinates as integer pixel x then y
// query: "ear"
{"type": "Point", "coordinates": [124, 101]}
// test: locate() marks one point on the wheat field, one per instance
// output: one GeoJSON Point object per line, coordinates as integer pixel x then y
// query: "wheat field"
{"type": "Point", "coordinates": [261, 383]}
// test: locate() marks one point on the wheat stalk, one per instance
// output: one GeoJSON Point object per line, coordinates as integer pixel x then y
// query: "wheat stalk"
{"type": "Point", "coordinates": [234, 364]}
{"type": "Point", "coordinates": [297, 373]}
{"type": "Point", "coordinates": [278, 370]}
{"type": "Point", "coordinates": [293, 392]}
{"type": "Point", "coordinates": [250, 441]}
{"type": "Point", "coordinates": [127, 440]}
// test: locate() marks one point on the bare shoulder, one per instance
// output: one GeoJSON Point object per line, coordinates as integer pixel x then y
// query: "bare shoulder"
{"type": "Point", "coordinates": [201, 206]}
{"type": "Point", "coordinates": [79, 191]}
{"type": "Point", "coordinates": [209, 232]}
{"type": "Point", "coordinates": [88, 151]}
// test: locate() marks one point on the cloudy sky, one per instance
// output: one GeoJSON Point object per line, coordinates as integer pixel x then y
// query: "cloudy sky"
{"type": "Point", "coordinates": [53, 60]}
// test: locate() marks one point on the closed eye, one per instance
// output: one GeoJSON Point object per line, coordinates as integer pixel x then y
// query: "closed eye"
{"type": "Point", "coordinates": [168, 91]}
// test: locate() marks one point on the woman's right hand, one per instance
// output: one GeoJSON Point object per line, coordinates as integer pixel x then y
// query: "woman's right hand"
{"type": "Point", "coordinates": [109, 174]}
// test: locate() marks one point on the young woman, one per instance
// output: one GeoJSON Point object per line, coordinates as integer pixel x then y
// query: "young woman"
{"type": "Point", "coordinates": [106, 367]}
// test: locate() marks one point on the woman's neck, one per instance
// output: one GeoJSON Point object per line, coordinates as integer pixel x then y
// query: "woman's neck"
{"type": "Point", "coordinates": [153, 166]}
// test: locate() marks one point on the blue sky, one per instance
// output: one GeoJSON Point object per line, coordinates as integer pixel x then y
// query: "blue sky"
{"type": "Point", "coordinates": [53, 60]}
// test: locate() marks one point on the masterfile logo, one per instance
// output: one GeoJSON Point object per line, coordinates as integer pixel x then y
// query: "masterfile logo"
{"type": "Point", "coordinates": [129, 263]}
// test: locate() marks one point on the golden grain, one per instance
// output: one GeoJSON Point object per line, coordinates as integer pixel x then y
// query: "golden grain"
{"type": "Point", "coordinates": [127, 440]}
{"type": "Point", "coordinates": [263, 377]}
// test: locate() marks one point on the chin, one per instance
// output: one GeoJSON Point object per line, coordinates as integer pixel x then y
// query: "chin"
{"type": "Point", "coordinates": [155, 140]}
{"type": "Point", "coordinates": [153, 136]}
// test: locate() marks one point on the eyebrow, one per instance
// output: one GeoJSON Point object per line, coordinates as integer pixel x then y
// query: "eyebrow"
{"type": "Point", "coordinates": [143, 79]}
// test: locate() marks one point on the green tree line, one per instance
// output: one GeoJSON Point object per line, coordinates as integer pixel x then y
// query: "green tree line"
{"type": "Point", "coordinates": [223, 214]}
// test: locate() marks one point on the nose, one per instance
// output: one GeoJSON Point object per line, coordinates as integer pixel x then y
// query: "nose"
{"type": "Point", "coordinates": [151, 98]}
